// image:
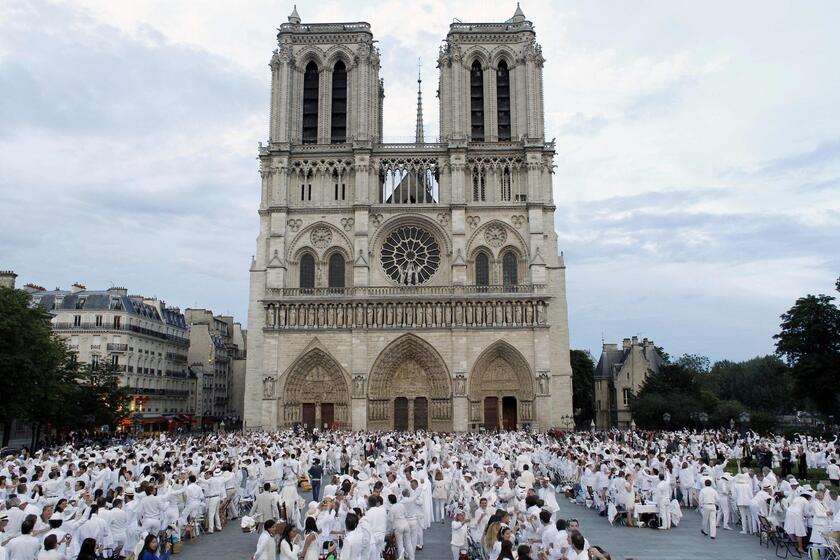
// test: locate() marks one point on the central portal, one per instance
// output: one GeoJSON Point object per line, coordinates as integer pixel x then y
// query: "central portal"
{"type": "Point", "coordinates": [409, 388]}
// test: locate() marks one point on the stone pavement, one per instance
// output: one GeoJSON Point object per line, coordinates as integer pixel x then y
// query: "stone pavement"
{"type": "Point", "coordinates": [681, 543]}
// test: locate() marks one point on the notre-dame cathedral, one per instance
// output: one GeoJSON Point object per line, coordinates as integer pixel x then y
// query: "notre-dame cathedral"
{"type": "Point", "coordinates": [416, 285]}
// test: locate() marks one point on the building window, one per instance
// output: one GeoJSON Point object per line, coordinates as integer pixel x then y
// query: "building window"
{"type": "Point", "coordinates": [99, 320]}
{"type": "Point", "coordinates": [77, 320]}
{"type": "Point", "coordinates": [478, 179]}
{"type": "Point", "coordinates": [509, 272]}
{"type": "Point", "coordinates": [626, 395]}
{"type": "Point", "coordinates": [339, 104]}
{"type": "Point", "coordinates": [115, 360]}
{"type": "Point", "coordinates": [503, 100]}
{"type": "Point", "coordinates": [94, 360]}
{"type": "Point", "coordinates": [116, 322]}
{"type": "Point", "coordinates": [482, 270]}
{"type": "Point", "coordinates": [307, 271]}
{"type": "Point", "coordinates": [336, 275]}
{"type": "Point", "coordinates": [506, 184]}
{"type": "Point", "coordinates": [310, 104]}
{"type": "Point", "coordinates": [477, 102]}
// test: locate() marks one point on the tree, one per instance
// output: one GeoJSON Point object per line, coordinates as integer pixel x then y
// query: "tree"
{"type": "Point", "coordinates": [102, 400]}
{"type": "Point", "coordinates": [583, 386]}
{"type": "Point", "coordinates": [762, 383]}
{"type": "Point", "coordinates": [674, 389]}
{"type": "Point", "coordinates": [33, 362]}
{"type": "Point", "coordinates": [809, 341]}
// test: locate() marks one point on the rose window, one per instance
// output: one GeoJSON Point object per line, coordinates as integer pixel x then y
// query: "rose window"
{"type": "Point", "coordinates": [410, 256]}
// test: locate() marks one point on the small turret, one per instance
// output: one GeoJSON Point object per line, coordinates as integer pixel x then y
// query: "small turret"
{"type": "Point", "coordinates": [518, 15]}
{"type": "Point", "coordinates": [294, 18]}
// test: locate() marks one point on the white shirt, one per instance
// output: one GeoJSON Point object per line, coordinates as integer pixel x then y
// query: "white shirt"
{"type": "Point", "coordinates": [23, 547]}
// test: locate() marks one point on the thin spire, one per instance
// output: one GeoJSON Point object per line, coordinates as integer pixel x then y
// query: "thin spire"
{"type": "Point", "coordinates": [418, 133]}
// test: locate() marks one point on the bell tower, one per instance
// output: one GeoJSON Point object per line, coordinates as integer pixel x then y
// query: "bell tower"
{"type": "Point", "coordinates": [491, 86]}
{"type": "Point", "coordinates": [325, 86]}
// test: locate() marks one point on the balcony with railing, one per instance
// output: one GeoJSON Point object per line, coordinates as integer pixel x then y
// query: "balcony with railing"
{"type": "Point", "coordinates": [114, 347]}
{"type": "Point", "coordinates": [175, 357]}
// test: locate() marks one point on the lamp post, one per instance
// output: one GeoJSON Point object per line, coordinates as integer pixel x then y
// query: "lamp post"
{"type": "Point", "coordinates": [592, 427]}
{"type": "Point", "coordinates": [632, 425]}
{"type": "Point", "coordinates": [667, 419]}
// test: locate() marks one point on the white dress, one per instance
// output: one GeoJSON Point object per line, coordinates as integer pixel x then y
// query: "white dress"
{"type": "Point", "coordinates": [314, 549]}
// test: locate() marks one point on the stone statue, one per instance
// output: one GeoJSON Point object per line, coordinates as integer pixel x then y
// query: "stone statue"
{"type": "Point", "coordinates": [268, 388]}
{"type": "Point", "coordinates": [460, 385]}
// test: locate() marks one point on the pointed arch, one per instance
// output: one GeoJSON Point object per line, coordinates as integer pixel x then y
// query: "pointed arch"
{"type": "Point", "coordinates": [410, 368]}
{"type": "Point", "coordinates": [315, 379]}
{"type": "Point", "coordinates": [311, 78]}
{"type": "Point", "coordinates": [501, 374]}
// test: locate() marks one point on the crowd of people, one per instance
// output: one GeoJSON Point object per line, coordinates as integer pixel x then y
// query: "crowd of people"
{"type": "Point", "coordinates": [374, 495]}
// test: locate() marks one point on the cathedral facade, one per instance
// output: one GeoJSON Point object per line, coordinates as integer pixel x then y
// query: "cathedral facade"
{"type": "Point", "coordinates": [407, 286]}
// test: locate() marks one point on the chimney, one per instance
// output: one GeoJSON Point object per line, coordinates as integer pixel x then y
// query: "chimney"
{"type": "Point", "coordinates": [77, 287]}
{"type": "Point", "coordinates": [7, 279]}
{"type": "Point", "coordinates": [32, 288]}
{"type": "Point", "coordinates": [647, 343]}
{"type": "Point", "coordinates": [625, 344]}
{"type": "Point", "coordinates": [118, 291]}
{"type": "Point", "coordinates": [609, 347]}
{"type": "Point", "coordinates": [635, 340]}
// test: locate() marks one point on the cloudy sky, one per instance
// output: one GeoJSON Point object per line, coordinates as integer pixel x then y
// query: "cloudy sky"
{"type": "Point", "coordinates": [698, 150]}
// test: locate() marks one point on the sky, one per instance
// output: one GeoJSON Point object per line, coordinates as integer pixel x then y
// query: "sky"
{"type": "Point", "coordinates": [697, 173]}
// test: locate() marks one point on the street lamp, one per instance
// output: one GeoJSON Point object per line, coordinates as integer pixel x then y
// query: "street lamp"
{"type": "Point", "coordinates": [667, 419]}
{"type": "Point", "coordinates": [703, 417]}
{"type": "Point", "coordinates": [632, 425]}
{"type": "Point", "coordinates": [592, 426]}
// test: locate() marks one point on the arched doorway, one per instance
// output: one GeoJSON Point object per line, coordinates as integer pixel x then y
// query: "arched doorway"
{"type": "Point", "coordinates": [409, 388]}
{"type": "Point", "coordinates": [315, 392]}
{"type": "Point", "coordinates": [501, 389]}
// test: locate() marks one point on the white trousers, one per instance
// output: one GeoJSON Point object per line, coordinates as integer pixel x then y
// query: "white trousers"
{"type": "Point", "coordinates": [189, 509]}
{"type": "Point", "coordinates": [151, 525]}
{"type": "Point", "coordinates": [416, 534]}
{"type": "Point", "coordinates": [456, 552]}
{"type": "Point", "coordinates": [405, 544]}
{"type": "Point", "coordinates": [746, 519]}
{"type": "Point", "coordinates": [664, 514]}
{"type": "Point", "coordinates": [724, 512]}
{"type": "Point", "coordinates": [213, 520]}
{"type": "Point", "coordinates": [709, 520]}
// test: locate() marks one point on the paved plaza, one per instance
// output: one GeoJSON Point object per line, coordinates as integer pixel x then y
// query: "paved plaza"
{"type": "Point", "coordinates": [682, 543]}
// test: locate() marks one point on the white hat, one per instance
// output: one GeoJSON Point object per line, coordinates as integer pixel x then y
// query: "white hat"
{"type": "Point", "coordinates": [217, 472]}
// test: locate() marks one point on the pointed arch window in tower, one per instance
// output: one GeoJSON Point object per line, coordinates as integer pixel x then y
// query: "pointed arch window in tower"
{"type": "Point", "coordinates": [336, 275]}
{"type": "Point", "coordinates": [339, 104]}
{"type": "Point", "coordinates": [307, 271]}
{"type": "Point", "coordinates": [509, 272]}
{"type": "Point", "coordinates": [310, 104]}
{"type": "Point", "coordinates": [478, 178]}
{"type": "Point", "coordinates": [503, 100]}
{"type": "Point", "coordinates": [477, 102]}
{"type": "Point", "coordinates": [482, 270]}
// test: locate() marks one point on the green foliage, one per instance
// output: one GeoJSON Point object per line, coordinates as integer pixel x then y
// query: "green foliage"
{"type": "Point", "coordinates": [762, 383]}
{"type": "Point", "coordinates": [583, 383]}
{"type": "Point", "coordinates": [760, 386]}
{"type": "Point", "coordinates": [809, 341]}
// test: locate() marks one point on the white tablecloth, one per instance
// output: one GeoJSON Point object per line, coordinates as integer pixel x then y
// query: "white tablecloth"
{"type": "Point", "coordinates": [647, 508]}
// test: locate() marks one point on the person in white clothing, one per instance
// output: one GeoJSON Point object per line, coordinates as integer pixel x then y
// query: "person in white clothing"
{"type": "Point", "coordinates": [266, 546]}
{"type": "Point", "coordinates": [707, 501]}
{"type": "Point", "coordinates": [289, 543]}
{"type": "Point", "coordinates": [398, 523]}
{"type": "Point", "coordinates": [459, 535]}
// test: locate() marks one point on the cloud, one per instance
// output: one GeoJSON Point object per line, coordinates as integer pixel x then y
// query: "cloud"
{"type": "Point", "coordinates": [696, 184]}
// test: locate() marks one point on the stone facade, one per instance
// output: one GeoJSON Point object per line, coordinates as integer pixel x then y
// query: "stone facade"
{"type": "Point", "coordinates": [621, 373]}
{"type": "Point", "coordinates": [216, 353]}
{"type": "Point", "coordinates": [412, 285]}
